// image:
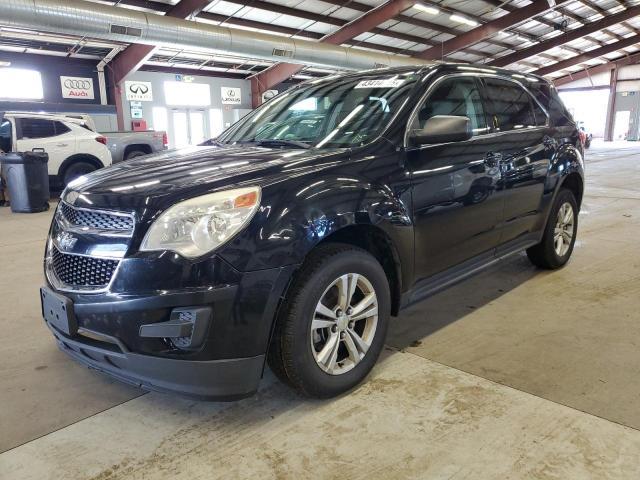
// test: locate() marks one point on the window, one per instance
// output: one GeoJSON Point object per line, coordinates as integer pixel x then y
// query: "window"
{"type": "Point", "coordinates": [327, 113]}
{"type": "Point", "coordinates": [510, 105]}
{"type": "Point", "coordinates": [455, 96]}
{"type": "Point", "coordinates": [540, 116]}
{"type": "Point", "coordinates": [20, 84]}
{"type": "Point", "coordinates": [5, 136]}
{"type": "Point", "coordinates": [160, 119]}
{"type": "Point", "coordinates": [216, 123]}
{"type": "Point", "coordinates": [37, 128]}
{"type": "Point", "coordinates": [187, 94]}
{"type": "Point", "coordinates": [61, 128]}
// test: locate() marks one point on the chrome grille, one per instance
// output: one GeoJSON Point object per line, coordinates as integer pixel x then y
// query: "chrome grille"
{"type": "Point", "coordinates": [96, 219]}
{"type": "Point", "coordinates": [80, 271]}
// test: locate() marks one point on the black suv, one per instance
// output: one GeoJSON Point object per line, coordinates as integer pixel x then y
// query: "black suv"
{"type": "Point", "coordinates": [294, 236]}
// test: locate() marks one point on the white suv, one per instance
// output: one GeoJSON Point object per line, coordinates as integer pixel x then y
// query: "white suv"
{"type": "Point", "coordinates": [74, 148]}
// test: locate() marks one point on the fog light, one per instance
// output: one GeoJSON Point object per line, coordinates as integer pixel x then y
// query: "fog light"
{"type": "Point", "coordinates": [186, 328]}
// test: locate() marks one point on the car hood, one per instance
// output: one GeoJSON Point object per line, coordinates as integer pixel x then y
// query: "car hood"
{"type": "Point", "coordinates": [179, 174]}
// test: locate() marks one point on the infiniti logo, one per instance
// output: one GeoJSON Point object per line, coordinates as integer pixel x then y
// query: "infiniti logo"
{"type": "Point", "coordinates": [66, 241]}
{"type": "Point", "coordinates": [138, 88]}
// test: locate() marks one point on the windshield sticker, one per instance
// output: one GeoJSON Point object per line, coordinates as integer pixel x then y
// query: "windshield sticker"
{"type": "Point", "coordinates": [387, 83]}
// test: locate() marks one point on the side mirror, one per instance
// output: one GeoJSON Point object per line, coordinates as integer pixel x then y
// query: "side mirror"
{"type": "Point", "coordinates": [442, 129]}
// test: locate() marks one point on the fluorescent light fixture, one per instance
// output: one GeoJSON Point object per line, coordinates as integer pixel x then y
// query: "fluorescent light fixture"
{"type": "Point", "coordinates": [460, 19]}
{"type": "Point", "coordinates": [426, 8]}
{"type": "Point", "coordinates": [4, 64]}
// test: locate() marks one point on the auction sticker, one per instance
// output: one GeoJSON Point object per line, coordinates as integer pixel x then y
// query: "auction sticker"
{"type": "Point", "coordinates": [387, 83]}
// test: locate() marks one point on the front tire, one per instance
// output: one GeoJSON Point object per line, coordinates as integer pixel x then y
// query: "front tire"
{"type": "Point", "coordinates": [333, 322]}
{"type": "Point", "coordinates": [560, 233]}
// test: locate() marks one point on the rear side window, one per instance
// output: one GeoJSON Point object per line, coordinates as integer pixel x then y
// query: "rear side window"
{"type": "Point", "coordinates": [511, 106]}
{"type": "Point", "coordinates": [455, 96]}
{"type": "Point", "coordinates": [5, 136]}
{"type": "Point", "coordinates": [37, 128]}
{"type": "Point", "coordinates": [538, 113]}
{"type": "Point", "coordinates": [61, 128]}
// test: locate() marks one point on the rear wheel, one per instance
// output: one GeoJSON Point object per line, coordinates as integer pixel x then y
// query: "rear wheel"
{"type": "Point", "coordinates": [134, 154]}
{"type": "Point", "coordinates": [560, 233]}
{"type": "Point", "coordinates": [333, 322]}
{"type": "Point", "coordinates": [75, 170]}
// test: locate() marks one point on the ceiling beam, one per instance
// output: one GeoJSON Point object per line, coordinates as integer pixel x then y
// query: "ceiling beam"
{"type": "Point", "coordinates": [566, 37]}
{"type": "Point", "coordinates": [135, 55]}
{"type": "Point", "coordinates": [367, 21]}
{"type": "Point", "coordinates": [591, 54]}
{"type": "Point", "coordinates": [605, 67]}
{"type": "Point", "coordinates": [485, 31]}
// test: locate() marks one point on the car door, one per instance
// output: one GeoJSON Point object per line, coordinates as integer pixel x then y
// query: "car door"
{"type": "Point", "coordinates": [525, 148]}
{"type": "Point", "coordinates": [55, 138]}
{"type": "Point", "coordinates": [455, 207]}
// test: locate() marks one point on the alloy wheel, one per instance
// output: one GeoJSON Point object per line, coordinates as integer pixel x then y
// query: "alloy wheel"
{"type": "Point", "coordinates": [344, 323]}
{"type": "Point", "coordinates": [564, 229]}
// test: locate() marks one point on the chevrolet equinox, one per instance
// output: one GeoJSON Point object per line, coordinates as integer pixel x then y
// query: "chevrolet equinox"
{"type": "Point", "coordinates": [294, 236]}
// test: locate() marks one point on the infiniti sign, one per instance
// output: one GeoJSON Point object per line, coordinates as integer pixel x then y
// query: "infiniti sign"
{"type": "Point", "coordinates": [138, 91]}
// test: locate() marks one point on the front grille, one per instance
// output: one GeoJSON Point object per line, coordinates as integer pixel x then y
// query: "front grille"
{"type": "Point", "coordinates": [96, 219]}
{"type": "Point", "coordinates": [79, 271]}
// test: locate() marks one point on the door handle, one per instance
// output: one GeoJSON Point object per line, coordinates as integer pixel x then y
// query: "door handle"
{"type": "Point", "coordinates": [492, 159]}
{"type": "Point", "coordinates": [62, 145]}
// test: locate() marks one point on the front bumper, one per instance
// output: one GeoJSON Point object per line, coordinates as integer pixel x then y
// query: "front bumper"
{"type": "Point", "coordinates": [227, 365]}
{"type": "Point", "coordinates": [226, 379]}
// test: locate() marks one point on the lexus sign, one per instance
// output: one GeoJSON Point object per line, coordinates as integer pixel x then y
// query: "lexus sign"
{"type": "Point", "coordinates": [77, 88]}
{"type": "Point", "coordinates": [231, 96]}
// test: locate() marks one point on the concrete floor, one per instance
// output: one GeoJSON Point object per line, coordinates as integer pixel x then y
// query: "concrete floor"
{"type": "Point", "coordinates": [515, 373]}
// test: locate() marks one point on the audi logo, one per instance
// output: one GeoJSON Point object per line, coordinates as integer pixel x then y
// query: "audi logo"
{"type": "Point", "coordinates": [138, 88]}
{"type": "Point", "coordinates": [79, 84]}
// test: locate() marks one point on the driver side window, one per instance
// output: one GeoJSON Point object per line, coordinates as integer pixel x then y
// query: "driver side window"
{"type": "Point", "coordinates": [455, 96]}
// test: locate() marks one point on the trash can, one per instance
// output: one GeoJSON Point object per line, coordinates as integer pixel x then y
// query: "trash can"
{"type": "Point", "coordinates": [27, 178]}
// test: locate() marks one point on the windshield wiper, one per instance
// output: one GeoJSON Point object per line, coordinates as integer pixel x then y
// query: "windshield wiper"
{"type": "Point", "coordinates": [282, 143]}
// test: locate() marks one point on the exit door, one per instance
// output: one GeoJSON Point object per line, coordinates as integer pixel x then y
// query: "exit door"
{"type": "Point", "coordinates": [188, 128]}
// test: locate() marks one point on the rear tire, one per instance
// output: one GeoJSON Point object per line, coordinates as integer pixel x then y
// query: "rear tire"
{"type": "Point", "coordinates": [134, 154]}
{"type": "Point", "coordinates": [560, 233]}
{"type": "Point", "coordinates": [318, 348]}
{"type": "Point", "coordinates": [75, 170]}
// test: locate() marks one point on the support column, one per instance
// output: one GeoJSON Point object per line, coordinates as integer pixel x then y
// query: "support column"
{"type": "Point", "coordinates": [611, 106]}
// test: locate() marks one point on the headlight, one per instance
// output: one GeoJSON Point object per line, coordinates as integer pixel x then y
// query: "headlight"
{"type": "Point", "coordinates": [199, 225]}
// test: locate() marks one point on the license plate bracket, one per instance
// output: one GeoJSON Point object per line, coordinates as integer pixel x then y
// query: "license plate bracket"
{"type": "Point", "coordinates": [58, 311]}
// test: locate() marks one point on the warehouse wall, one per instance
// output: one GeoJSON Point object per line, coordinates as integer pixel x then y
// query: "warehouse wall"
{"type": "Point", "coordinates": [230, 113]}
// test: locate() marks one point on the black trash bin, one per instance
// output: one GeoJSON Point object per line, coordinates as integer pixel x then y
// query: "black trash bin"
{"type": "Point", "coordinates": [27, 180]}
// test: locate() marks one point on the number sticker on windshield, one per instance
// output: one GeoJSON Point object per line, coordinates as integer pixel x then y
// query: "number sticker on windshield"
{"type": "Point", "coordinates": [387, 83]}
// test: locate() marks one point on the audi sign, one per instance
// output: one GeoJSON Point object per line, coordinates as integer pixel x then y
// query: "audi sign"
{"type": "Point", "coordinates": [77, 88]}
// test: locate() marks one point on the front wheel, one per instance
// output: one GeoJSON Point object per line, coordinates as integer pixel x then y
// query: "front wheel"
{"type": "Point", "coordinates": [333, 323]}
{"type": "Point", "coordinates": [560, 233]}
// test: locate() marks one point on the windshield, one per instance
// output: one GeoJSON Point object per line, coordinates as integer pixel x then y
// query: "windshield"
{"type": "Point", "coordinates": [342, 112]}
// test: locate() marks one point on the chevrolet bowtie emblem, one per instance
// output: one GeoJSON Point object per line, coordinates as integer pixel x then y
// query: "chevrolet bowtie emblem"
{"type": "Point", "coordinates": [66, 241]}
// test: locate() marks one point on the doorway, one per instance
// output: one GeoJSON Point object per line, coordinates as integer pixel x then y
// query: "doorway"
{"type": "Point", "coordinates": [188, 127]}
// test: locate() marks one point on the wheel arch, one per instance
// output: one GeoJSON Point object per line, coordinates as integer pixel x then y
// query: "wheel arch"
{"type": "Point", "coordinates": [79, 157]}
{"type": "Point", "coordinates": [376, 242]}
{"type": "Point", "coordinates": [574, 182]}
{"type": "Point", "coordinates": [135, 147]}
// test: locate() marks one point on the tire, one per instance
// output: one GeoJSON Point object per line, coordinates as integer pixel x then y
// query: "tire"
{"type": "Point", "coordinates": [547, 254]}
{"type": "Point", "coordinates": [134, 154]}
{"type": "Point", "coordinates": [76, 170]}
{"type": "Point", "coordinates": [296, 350]}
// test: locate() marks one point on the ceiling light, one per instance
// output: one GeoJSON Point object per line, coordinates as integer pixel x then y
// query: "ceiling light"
{"type": "Point", "coordinates": [465, 20]}
{"type": "Point", "coordinates": [4, 64]}
{"type": "Point", "coordinates": [426, 8]}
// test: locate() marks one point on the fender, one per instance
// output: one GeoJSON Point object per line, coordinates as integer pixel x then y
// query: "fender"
{"type": "Point", "coordinates": [326, 205]}
{"type": "Point", "coordinates": [567, 163]}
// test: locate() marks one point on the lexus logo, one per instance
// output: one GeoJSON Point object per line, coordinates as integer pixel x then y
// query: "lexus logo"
{"type": "Point", "coordinates": [79, 84]}
{"type": "Point", "coordinates": [138, 88]}
{"type": "Point", "coordinates": [231, 93]}
{"type": "Point", "coordinates": [66, 241]}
